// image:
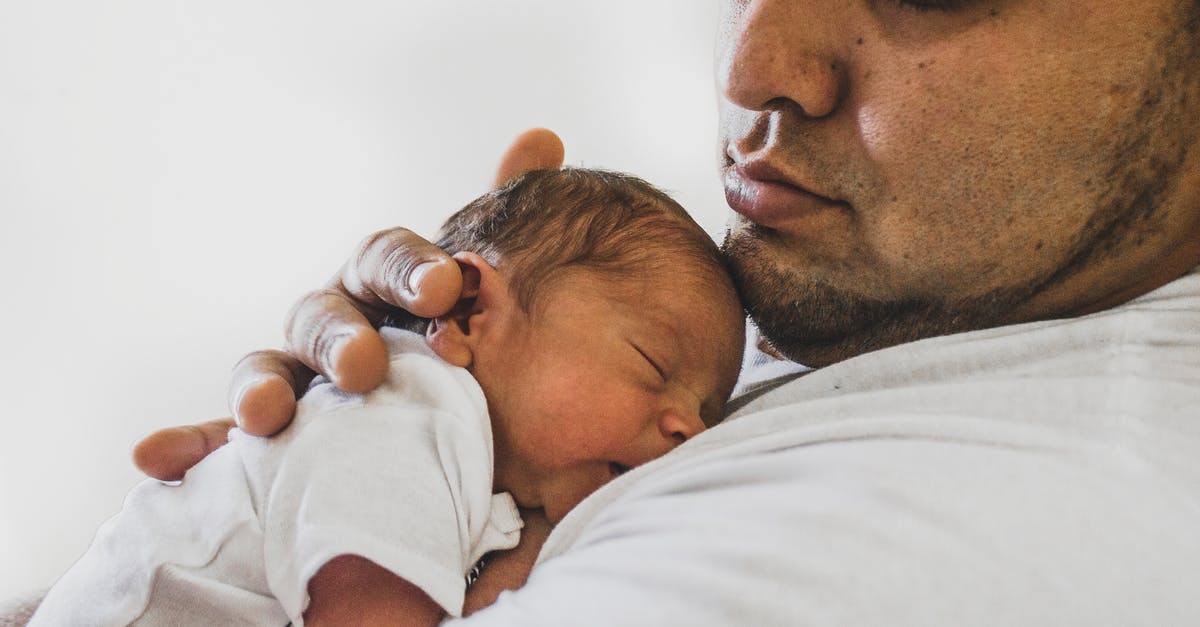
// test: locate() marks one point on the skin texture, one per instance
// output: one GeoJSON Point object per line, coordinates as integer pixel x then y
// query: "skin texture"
{"type": "Point", "coordinates": [994, 163]}
{"type": "Point", "coordinates": [351, 590]}
{"type": "Point", "coordinates": [598, 378]}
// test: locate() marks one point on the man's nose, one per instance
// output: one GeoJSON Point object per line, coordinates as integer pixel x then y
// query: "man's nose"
{"type": "Point", "coordinates": [772, 52]}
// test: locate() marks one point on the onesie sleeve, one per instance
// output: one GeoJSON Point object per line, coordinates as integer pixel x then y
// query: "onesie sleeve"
{"type": "Point", "coordinates": [401, 476]}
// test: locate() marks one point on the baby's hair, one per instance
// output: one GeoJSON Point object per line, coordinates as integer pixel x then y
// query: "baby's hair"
{"type": "Point", "coordinates": [546, 221]}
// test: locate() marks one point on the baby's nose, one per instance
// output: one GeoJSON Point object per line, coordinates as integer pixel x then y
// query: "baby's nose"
{"type": "Point", "coordinates": [680, 426]}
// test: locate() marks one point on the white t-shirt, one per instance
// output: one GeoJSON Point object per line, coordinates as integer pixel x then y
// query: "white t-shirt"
{"type": "Point", "coordinates": [1037, 474]}
{"type": "Point", "coordinates": [402, 476]}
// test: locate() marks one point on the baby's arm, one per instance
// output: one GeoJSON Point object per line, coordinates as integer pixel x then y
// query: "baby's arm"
{"type": "Point", "coordinates": [508, 570]}
{"type": "Point", "coordinates": [352, 590]}
{"type": "Point", "coordinates": [391, 487]}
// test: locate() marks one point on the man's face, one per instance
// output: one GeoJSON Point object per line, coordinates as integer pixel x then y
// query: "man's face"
{"type": "Point", "coordinates": [901, 171]}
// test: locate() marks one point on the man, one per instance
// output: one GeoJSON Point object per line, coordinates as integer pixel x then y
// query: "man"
{"type": "Point", "coordinates": [980, 220]}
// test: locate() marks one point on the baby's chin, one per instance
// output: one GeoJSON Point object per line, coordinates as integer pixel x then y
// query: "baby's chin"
{"type": "Point", "coordinates": [560, 500]}
{"type": "Point", "coordinates": [557, 509]}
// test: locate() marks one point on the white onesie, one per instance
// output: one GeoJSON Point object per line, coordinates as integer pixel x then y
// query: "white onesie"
{"type": "Point", "coordinates": [401, 476]}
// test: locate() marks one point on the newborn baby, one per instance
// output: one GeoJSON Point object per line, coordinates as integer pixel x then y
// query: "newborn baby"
{"type": "Point", "coordinates": [597, 330]}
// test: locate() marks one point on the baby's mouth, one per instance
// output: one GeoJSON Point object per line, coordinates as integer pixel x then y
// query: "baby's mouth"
{"type": "Point", "coordinates": [617, 469]}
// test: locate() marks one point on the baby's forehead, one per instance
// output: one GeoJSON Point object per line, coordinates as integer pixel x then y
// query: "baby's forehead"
{"type": "Point", "coordinates": [655, 272]}
{"type": "Point", "coordinates": [670, 300]}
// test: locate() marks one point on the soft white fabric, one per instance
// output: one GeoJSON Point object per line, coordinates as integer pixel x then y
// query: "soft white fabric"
{"type": "Point", "coordinates": [1040, 474]}
{"type": "Point", "coordinates": [761, 370]}
{"type": "Point", "coordinates": [402, 476]}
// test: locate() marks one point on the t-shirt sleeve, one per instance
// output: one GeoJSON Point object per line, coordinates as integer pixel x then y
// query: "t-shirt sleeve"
{"type": "Point", "coordinates": [401, 477]}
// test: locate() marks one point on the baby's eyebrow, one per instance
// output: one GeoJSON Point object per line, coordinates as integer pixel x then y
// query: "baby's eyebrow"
{"type": "Point", "coordinates": [671, 336]}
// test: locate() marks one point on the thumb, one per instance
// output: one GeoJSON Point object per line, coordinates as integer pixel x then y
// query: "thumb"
{"type": "Point", "coordinates": [167, 454]}
{"type": "Point", "coordinates": [535, 149]}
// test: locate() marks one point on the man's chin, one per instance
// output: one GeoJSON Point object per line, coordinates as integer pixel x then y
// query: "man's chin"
{"type": "Point", "coordinates": [817, 322]}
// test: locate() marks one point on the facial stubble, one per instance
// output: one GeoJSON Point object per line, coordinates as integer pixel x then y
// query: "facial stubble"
{"type": "Point", "coordinates": [815, 321]}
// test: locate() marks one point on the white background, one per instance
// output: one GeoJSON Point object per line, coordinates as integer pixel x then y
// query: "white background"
{"type": "Point", "coordinates": [173, 175]}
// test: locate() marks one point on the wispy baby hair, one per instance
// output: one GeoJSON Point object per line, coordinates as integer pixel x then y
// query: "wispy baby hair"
{"type": "Point", "coordinates": [547, 221]}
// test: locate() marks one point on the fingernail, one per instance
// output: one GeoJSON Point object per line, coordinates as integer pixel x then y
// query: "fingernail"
{"type": "Point", "coordinates": [236, 408]}
{"type": "Point", "coordinates": [238, 398]}
{"type": "Point", "coordinates": [413, 283]}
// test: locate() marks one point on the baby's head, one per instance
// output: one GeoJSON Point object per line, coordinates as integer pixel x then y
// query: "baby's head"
{"type": "Point", "coordinates": [599, 320]}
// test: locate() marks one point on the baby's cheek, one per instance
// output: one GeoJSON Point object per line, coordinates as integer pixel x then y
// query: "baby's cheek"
{"type": "Point", "coordinates": [563, 442]}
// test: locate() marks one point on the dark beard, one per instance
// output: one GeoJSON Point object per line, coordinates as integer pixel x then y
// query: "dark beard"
{"type": "Point", "coordinates": [816, 323]}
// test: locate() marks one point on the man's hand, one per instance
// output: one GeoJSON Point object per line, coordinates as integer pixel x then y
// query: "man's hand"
{"type": "Point", "coordinates": [332, 331]}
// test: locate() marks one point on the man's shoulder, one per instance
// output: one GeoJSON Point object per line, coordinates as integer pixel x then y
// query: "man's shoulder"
{"type": "Point", "coordinates": [879, 524]}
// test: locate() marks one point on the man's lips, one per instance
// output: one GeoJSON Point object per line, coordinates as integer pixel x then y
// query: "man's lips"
{"type": "Point", "coordinates": [767, 197]}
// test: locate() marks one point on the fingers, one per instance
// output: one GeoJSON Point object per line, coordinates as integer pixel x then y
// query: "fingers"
{"type": "Point", "coordinates": [398, 268]}
{"type": "Point", "coordinates": [329, 334]}
{"type": "Point", "coordinates": [167, 454]}
{"type": "Point", "coordinates": [264, 389]}
{"type": "Point", "coordinates": [535, 149]}
{"type": "Point", "coordinates": [332, 331]}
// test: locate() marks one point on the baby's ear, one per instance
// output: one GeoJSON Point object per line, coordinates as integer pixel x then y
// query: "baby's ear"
{"type": "Point", "coordinates": [455, 335]}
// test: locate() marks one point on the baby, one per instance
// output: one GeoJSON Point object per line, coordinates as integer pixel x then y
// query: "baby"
{"type": "Point", "coordinates": [597, 330]}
